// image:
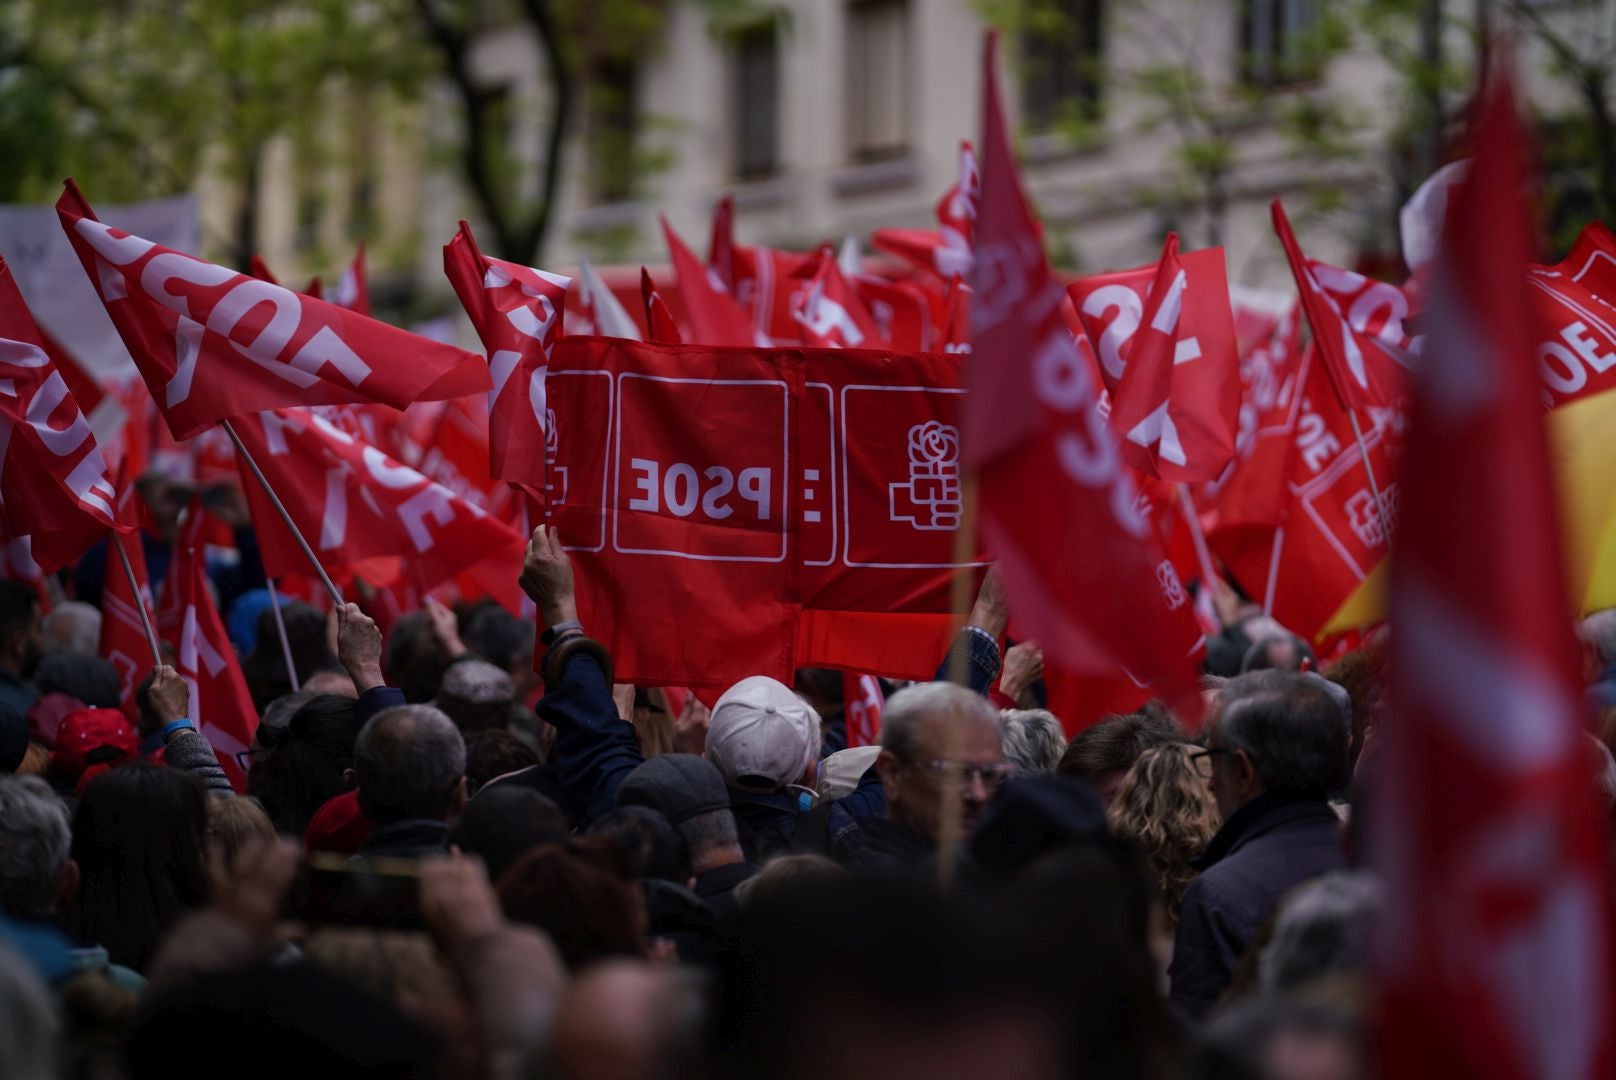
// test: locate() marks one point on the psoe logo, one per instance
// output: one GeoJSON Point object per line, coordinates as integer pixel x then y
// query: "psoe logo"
{"type": "Point", "coordinates": [932, 499]}
{"type": "Point", "coordinates": [1172, 589]}
{"type": "Point", "coordinates": [1368, 525]}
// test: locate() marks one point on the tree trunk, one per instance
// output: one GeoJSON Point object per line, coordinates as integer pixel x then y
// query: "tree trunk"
{"type": "Point", "coordinates": [1430, 145]}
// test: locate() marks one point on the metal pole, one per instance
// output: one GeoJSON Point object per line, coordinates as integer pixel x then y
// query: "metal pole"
{"type": "Point", "coordinates": [275, 501]}
{"type": "Point", "coordinates": [140, 604]}
{"type": "Point", "coordinates": [1374, 488]}
{"type": "Point", "coordinates": [280, 628]}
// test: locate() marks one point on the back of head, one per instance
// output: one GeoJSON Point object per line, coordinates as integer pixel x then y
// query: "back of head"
{"type": "Point", "coordinates": [71, 626]}
{"type": "Point", "coordinates": [653, 847]}
{"type": "Point", "coordinates": [498, 636]}
{"type": "Point", "coordinates": [1166, 806]}
{"type": "Point", "coordinates": [265, 667]}
{"type": "Point", "coordinates": [504, 823]}
{"type": "Point", "coordinates": [1277, 652]}
{"type": "Point", "coordinates": [235, 825]}
{"type": "Point", "coordinates": [83, 675]}
{"type": "Point", "coordinates": [1262, 1037]}
{"type": "Point", "coordinates": [762, 737]}
{"type": "Point", "coordinates": [34, 844]}
{"type": "Point", "coordinates": [306, 765]}
{"type": "Point", "coordinates": [1322, 929]}
{"type": "Point", "coordinates": [1293, 729]}
{"type": "Point", "coordinates": [1108, 750]}
{"type": "Point", "coordinates": [408, 764]}
{"type": "Point", "coordinates": [139, 823]}
{"type": "Point", "coordinates": [1033, 740]}
{"type": "Point", "coordinates": [476, 695]}
{"type": "Point", "coordinates": [415, 660]}
{"type": "Point", "coordinates": [495, 753]}
{"type": "Point", "coordinates": [1599, 630]}
{"type": "Point", "coordinates": [570, 892]}
{"type": "Point", "coordinates": [909, 708]}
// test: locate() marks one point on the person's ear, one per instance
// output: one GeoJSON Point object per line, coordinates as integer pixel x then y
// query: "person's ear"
{"type": "Point", "coordinates": [1246, 772]}
{"type": "Point", "coordinates": [67, 885]}
{"type": "Point", "coordinates": [887, 767]}
{"type": "Point", "coordinates": [348, 779]}
{"type": "Point", "coordinates": [460, 797]}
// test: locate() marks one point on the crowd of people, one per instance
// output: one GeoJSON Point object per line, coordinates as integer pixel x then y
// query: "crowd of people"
{"type": "Point", "coordinates": [446, 864]}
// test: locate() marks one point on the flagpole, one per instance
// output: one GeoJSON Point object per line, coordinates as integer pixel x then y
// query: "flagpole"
{"type": "Point", "coordinates": [140, 603]}
{"type": "Point", "coordinates": [280, 628]}
{"type": "Point", "coordinates": [280, 508]}
{"type": "Point", "coordinates": [1374, 488]}
{"type": "Point", "coordinates": [1203, 554]}
{"type": "Point", "coordinates": [951, 812]}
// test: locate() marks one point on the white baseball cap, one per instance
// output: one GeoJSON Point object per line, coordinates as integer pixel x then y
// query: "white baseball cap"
{"type": "Point", "coordinates": [762, 736]}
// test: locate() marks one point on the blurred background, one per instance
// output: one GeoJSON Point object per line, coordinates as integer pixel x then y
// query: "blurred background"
{"type": "Point", "coordinates": [561, 128]}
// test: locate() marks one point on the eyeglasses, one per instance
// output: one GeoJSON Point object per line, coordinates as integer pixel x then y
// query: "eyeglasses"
{"type": "Point", "coordinates": [990, 775]}
{"type": "Point", "coordinates": [244, 758]}
{"type": "Point", "coordinates": [1203, 760]}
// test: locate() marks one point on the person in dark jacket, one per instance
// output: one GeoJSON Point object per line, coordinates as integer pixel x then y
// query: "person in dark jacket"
{"type": "Point", "coordinates": [1276, 747]}
{"type": "Point", "coordinates": [410, 771]}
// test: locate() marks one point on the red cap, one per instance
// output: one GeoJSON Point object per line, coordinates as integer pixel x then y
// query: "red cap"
{"type": "Point", "coordinates": [84, 731]}
{"type": "Point", "coordinates": [337, 826]}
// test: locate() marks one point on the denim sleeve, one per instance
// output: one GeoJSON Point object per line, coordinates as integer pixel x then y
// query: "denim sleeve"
{"type": "Point", "coordinates": [594, 747]}
{"type": "Point", "coordinates": [981, 659]}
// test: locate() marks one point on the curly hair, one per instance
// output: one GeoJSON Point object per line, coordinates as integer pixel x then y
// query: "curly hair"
{"type": "Point", "coordinates": [1166, 807]}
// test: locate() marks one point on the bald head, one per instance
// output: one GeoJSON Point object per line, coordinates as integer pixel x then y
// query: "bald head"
{"type": "Point", "coordinates": [410, 763]}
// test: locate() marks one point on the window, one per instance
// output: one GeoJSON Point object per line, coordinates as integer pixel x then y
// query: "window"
{"type": "Point", "coordinates": [877, 79]}
{"type": "Point", "coordinates": [1278, 43]}
{"type": "Point", "coordinates": [614, 120]}
{"type": "Point", "coordinates": [1061, 44]}
{"type": "Point", "coordinates": [756, 66]}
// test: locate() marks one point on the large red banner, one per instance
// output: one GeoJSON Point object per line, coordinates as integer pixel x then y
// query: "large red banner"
{"type": "Point", "coordinates": [737, 511]}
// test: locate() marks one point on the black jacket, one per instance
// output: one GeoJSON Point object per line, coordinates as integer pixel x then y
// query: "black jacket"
{"type": "Point", "coordinates": [1267, 848]}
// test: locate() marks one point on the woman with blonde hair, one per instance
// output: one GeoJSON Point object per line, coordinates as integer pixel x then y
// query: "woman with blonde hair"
{"type": "Point", "coordinates": [1165, 805]}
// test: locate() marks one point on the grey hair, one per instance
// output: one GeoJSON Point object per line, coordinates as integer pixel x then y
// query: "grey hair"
{"type": "Point", "coordinates": [708, 831]}
{"type": "Point", "coordinates": [71, 626]}
{"type": "Point", "coordinates": [28, 1025]}
{"type": "Point", "coordinates": [1322, 928]}
{"type": "Point", "coordinates": [1291, 727]}
{"type": "Point", "coordinates": [1033, 740]}
{"type": "Point", "coordinates": [1599, 630]}
{"type": "Point", "coordinates": [408, 763]}
{"type": "Point", "coordinates": [477, 682]}
{"type": "Point", "coordinates": [34, 844]}
{"type": "Point", "coordinates": [900, 719]}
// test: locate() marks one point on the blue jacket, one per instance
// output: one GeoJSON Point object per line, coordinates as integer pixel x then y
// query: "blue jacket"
{"type": "Point", "coordinates": [1266, 849]}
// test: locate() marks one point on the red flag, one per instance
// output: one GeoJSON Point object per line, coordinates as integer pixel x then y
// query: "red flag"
{"type": "Point", "coordinates": [862, 702]}
{"type": "Point", "coordinates": [352, 291]}
{"type": "Point", "coordinates": [715, 317]}
{"type": "Point", "coordinates": [361, 510]}
{"type": "Point", "coordinates": [1358, 323]}
{"type": "Point", "coordinates": [221, 707]}
{"type": "Point", "coordinates": [1574, 308]}
{"type": "Point", "coordinates": [54, 483]}
{"type": "Point", "coordinates": [123, 634]}
{"type": "Point", "coordinates": [1077, 573]}
{"type": "Point", "coordinates": [663, 330]}
{"type": "Point", "coordinates": [1168, 354]}
{"type": "Point", "coordinates": [806, 500]}
{"type": "Point", "coordinates": [213, 344]}
{"type": "Point", "coordinates": [597, 309]}
{"type": "Point", "coordinates": [258, 268]}
{"type": "Point", "coordinates": [831, 314]}
{"type": "Point", "coordinates": [1495, 946]}
{"type": "Point", "coordinates": [517, 312]}
{"type": "Point", "coordinates": [946, 252]}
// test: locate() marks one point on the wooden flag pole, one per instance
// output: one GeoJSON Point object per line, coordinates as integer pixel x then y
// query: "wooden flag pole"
{"type": "Point", "coordinates": [140, 603]}
{"type": "Point", "coordinates": [1374, 488]}
{"type": "Point", "coordinates": [280, 628]}
{"type": "Point", "coordinates": [951, 810]}
{"type": "Point", "coordinates": [280, 508]}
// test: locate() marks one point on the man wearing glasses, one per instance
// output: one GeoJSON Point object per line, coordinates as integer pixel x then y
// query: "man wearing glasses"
{"type": "Point", "coordinates": [936, 738]}
{"type": "Point", "coordinates": [1276, 747]}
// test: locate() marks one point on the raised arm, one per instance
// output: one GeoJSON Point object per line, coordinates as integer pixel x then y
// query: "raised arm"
{"type": "Point", "coordinates": [595, 748]}
{"type": "Point", "coordinates": [976, 650]}
{"type": "Point", "coordinates": [183, 746]}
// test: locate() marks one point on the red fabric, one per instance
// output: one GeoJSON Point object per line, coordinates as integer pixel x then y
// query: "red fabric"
{"type": "Point", "coordinates": [803, 501]}
{"type": "Point", "coordinates": [1080, 701]}
{"type": "Point", "coordinates": [337, 826]}
{"type": "Point", "coordinates": [832, 314]}
{"type": "Point", "coordinates": [1358, 325]}
{"type": "Point", "coordinates": [55, 484]}
{"type": "Point", "coordinates": [517, 312]}
{"type": "Point", "coordinates": [1165, 338]}
{"type": "Point", "coordinates": [352, 291]}
{"type": "Point", "coordinates": [123, 635]}
{"type": "Point", "coordinates": [862, 702]}
{"type": "Point", "coordinates": [1057, 507]}
{"type": "Point", "coordinates": [663, 329]}
{"type": "Point", "coordinates": [1574, 308]}
{"type": "Point", "coordinates": [902, 313]}
{"type": "Point", "coordinates": [1496, 940]}
{"type": "Point", "coordinates": [946, 252]}
{"type": "Point", "coordinates": [221, 707]}
{"type": "Point", "coordinates": [714, 316]}
{"type": "Point", "coordinates": [213, 344]}
{"type": "Point", "coordinates": [87, 730]}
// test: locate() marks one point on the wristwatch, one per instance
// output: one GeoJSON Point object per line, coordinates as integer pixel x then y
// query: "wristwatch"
{"type": "Point", "coordinates": [551, 633]}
